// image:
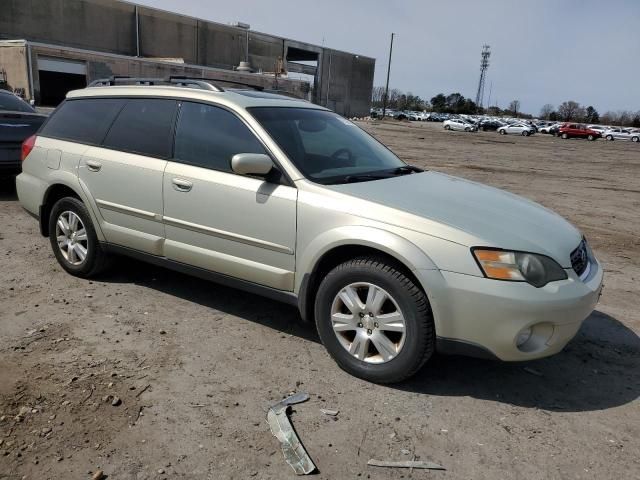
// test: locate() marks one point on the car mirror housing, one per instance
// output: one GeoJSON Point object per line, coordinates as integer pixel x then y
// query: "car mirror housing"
{"type": "Point", "coordinates": [251, 163]}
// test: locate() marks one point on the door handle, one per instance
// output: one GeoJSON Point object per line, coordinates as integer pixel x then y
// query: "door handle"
{"type": "Point", "coordinates": [93, 166]}
{"type": "Point", "coordinates": [181, 185]}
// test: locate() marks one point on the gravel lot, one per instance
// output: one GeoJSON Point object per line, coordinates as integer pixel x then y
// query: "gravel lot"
{"type": "Point", "coordinates": [195, 365]}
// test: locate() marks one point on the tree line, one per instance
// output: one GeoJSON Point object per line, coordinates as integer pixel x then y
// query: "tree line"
{"type": "Point", "coordinates": [573, 111]}
{"type": "Point", "coordinates": [456, 103]}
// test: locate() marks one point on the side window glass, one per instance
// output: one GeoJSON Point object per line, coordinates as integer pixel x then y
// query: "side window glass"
{"type": "Point", "coordinates": [83, 120]}
{"type": "Point", "coordinates": [144, 126]}
{"type": "Point", "coordinates": [208, 136]}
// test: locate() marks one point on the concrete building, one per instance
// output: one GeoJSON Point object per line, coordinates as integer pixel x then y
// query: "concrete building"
{"type": "Point", "coordinates": [52, 46]}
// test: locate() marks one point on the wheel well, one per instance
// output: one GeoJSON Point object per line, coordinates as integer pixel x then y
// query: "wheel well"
{"type": "Point", "coordinates": [333, 258]}
{"type": "Point", "coordinates": [53, 194]}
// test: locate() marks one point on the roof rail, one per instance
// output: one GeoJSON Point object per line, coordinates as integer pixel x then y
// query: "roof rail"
{"type": "Point", "coordinates": [203, 83]}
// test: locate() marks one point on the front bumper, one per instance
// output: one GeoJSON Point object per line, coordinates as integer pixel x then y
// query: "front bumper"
{"type": "Point", "coordinates": [490, 314]}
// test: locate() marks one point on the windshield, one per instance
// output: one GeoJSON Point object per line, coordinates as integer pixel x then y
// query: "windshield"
{"type": "Point", "coordinates": [8, 101]}
{"type": "Point", "coordinates": [327, 148]}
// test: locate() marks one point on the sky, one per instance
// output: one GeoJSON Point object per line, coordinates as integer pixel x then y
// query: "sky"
{"type": "Point", "coordinates": [542, 51]}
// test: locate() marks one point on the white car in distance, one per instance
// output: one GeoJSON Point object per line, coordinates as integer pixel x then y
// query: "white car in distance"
{"type": "Point", "coordinates": [517, 128]}
{"type": "Point", "coordinates": [459, 124]}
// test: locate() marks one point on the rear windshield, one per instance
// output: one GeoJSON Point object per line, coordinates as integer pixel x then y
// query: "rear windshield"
{"type": "Point", "coordinates": [8, 101]}
{"type": "Point", "coordinates": [84, 120]}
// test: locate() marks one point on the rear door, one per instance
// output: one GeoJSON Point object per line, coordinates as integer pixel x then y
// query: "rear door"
{"type": "Point", "coordinates": [123, 175]}
{"type": "Point", "coordinates": [237, 225]}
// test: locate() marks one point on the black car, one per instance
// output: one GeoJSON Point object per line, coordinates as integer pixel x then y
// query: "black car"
{"type": "Point", "coordinates": [489, 125]}
{"type": "Point", "coordinates": [18, 121]}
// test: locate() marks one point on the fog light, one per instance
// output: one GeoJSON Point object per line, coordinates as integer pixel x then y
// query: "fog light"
{"type": "Point", "coordinates": [523, 337]}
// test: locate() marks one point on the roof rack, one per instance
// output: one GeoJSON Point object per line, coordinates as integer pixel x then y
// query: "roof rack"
{"type": "Point", "coordinates": [179, 81]}
{"type": "Point", "coordinates": [201, 83]}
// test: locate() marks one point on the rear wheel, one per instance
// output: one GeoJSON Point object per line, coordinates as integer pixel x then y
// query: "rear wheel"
{"type": "Point", "coordinates": [374, 320]}
{"type": "Point", "coordinates": [74, 240]}
{"type": "Point", "coordinates": [610, 138]}
{"type": "Point", "coordinates": [503, 132]}
{"type": "Point", "coordinates": [565, 136]}
{"type": "Point", "coordinates": [525, 133]}
{"type": "Point", "coordinates": [635, 139]}
{"type": "Point", "coordinates": [447, 127]}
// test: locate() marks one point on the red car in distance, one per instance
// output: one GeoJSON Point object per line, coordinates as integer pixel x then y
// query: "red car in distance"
{"type": "Point", "coordinates": [578, 130]}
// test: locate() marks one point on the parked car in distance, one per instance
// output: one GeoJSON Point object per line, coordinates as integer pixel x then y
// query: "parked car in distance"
{"type": "Point", "coordinates": [622, 134]}
{"type": "Point", "coordinates": [516, 128]}
{"type": "Point", "coordinates": [18, 121]}
{"type": "Point", "coordinates": [578, 130]}
{"type": "Point", "coordinates": [285, 198]}
{"type": "Point", "coordinates": [489, 125]}
{"type": "Point", "coordinates": [459, 124]}
{"type": "Point", "coordinates": [598, 128]}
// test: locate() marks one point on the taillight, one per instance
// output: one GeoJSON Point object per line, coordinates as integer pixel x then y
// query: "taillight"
{"type": "Point", "coordinates": [27, 146]}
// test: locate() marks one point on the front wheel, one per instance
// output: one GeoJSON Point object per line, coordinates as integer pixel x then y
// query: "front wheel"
{"type": "Point", "coordinates": [635, 139]}
{"type": "Point", "coordinates": [525, 133]}
{"type": "Point", "coordinates": [447, 127]}
{"type": "Point", "coordinates": [565, 136]}
{"type": "Point", "coordinates": [610, 138]}
{"type": "Point", "coordinates": [503, 132]}
{"type": "Point", "coordinates": [73, 239]}
{"type": "Point", "coordinates": [374, 320]}
{"type": "Point", "coordinates": [591, 138]}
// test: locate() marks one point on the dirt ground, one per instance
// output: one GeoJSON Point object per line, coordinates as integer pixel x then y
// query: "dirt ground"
{"type": "Point", "coordinates": [145, 373]}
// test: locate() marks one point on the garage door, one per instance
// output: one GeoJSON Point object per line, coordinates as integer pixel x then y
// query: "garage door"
{"type": "Point", "coordinates": [58, 76]}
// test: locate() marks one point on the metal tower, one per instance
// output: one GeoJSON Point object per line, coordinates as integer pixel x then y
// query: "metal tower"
{"type": "Point", "coordinates": [484, 64]}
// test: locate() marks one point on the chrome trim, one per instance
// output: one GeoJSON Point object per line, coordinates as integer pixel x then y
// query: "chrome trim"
{"type": "Point", "coordinates": [227, 235]}
{"type": "Point", "coordinates": [116, 207]}
{"type": "Point", "coordinates": [587, 271]}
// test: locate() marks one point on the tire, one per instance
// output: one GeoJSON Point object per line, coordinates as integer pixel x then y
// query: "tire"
{"type": "Point", "coordinates": [447, 127]}
{"type": "Point", "coordinates": [503, 132]}
{"type": "Point", "coordinates": [466, 129]}
{"type": "Point", "coordinates": [591, 138]}
{"type": "Point", "coordinates": [525, 133]}
{"type": "Point", "coordinates": [414, 344]}
{"type": "Point", "coordinates": [635, 139]}
{"type": "Point", "coordinates": [565, 136]}
{"type": "Point", "coordinates": [95, 258]}
{"type": "Point", "coordinates": [610, 138]}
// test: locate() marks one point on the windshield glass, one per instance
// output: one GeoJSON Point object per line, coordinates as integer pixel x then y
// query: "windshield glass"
{"type": "Point", "coordinates": [8, 101]}
{"type": "Point", "coordinates": [327, 148]}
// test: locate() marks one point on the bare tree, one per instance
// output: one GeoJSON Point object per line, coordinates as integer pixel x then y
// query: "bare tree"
{"type": "Point", "coordinates": [570, 111]}
{"type": "Point", "coordinates": [514, 106]}
{"type": "Point", "coordinates": [377, 96]}
{"type": "Point", "coordinates": [546, 110]}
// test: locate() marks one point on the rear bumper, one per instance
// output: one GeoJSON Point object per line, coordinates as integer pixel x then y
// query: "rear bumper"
{"type": "Point", "coordinates": [489, 315]}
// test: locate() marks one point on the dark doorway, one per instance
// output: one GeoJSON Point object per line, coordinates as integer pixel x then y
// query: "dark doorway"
{"type": "Point", "coordinates": [55, 85]}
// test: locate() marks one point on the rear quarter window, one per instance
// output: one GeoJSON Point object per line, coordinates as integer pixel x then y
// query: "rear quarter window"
{"type": "Point", "coordinates": [85, 120]}
{"type": "Point", "coordinates": [144, 126]}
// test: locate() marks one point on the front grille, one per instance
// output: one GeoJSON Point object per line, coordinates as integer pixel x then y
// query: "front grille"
{"type": "Point", "coordinates": [580, 258]}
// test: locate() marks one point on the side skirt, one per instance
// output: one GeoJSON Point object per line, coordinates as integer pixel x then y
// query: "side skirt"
{"type": "Point", "coordinates": [279, 295]}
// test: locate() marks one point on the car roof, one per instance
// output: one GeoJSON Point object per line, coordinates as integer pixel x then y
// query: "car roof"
{"type": "Point", "coordinates": [229, 97]}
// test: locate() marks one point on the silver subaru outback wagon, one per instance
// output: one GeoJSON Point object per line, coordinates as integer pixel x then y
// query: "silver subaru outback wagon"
{"type": "Point", "coordinates": [284, 198]}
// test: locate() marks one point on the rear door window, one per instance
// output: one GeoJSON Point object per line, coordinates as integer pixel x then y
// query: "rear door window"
{"type": "Point", "coordinates": [144, 126]}
{"type": "Point", "coordinates": [208, 136]}
{"type": "Point", "coordinates": [84, 120]}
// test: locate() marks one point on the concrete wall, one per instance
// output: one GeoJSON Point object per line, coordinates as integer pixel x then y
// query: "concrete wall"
{"type": "Point", "coordinates": [105, 65]}
{"type": "Point", "coordinates": [102, 25]}
{"type": "Point", "coordinates": [13, 60]}
{"type": "Point", "coordinates": [110, 26]}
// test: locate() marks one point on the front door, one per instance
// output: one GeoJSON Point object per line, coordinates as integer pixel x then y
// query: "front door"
{"type": "Point", "coordinates": [240, 226]}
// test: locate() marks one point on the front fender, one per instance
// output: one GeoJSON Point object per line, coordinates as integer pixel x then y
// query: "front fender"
{"type": "Point", "coordinates": [394, 245]}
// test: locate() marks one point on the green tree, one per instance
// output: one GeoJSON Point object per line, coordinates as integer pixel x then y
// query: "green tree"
{"type": "Point", "coordinates": [439, 103]}
{"type": "Point", "coordinates": [591, 115]}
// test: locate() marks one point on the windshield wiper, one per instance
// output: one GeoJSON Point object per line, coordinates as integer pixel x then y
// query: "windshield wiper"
{"type": "Point", "coordinates": [406, 169]}
{"type": "Point", "coordinates": [364, 177]}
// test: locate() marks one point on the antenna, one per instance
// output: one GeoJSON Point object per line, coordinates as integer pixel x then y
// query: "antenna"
{"type": "Point", "coordinates": [484, 64]}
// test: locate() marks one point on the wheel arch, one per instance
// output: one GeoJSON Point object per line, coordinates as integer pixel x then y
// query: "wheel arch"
{"type": "Point", "coordinates": [54, 193]}
{"type": "Point", "coordinates": [353, 242]}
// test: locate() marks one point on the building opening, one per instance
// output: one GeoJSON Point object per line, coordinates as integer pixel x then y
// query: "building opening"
{"type": "Point", "coordinates": [57, 77]}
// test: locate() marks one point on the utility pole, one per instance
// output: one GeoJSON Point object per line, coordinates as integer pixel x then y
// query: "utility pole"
{"type": "Point", "coordinates": [484, 64]}
{"type": "Point", "coordinates": [386, 88]}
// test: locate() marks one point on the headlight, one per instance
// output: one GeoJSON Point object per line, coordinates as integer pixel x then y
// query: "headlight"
{"type": "Point", "coordinates": [538, 270]}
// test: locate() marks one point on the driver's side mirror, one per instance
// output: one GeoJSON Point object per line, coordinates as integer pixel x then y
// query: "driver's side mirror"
{"type": "Point", "coordinates": [251, 164]}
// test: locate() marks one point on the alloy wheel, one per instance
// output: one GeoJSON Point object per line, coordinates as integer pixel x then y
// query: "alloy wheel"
{"type": "Point", "coordinates": [72, 238]}
{"type": "Point", "coordinates": [368, 322]}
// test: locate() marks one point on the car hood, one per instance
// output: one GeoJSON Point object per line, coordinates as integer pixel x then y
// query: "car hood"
{"type": "Point", "coordinates": [495, 218]}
